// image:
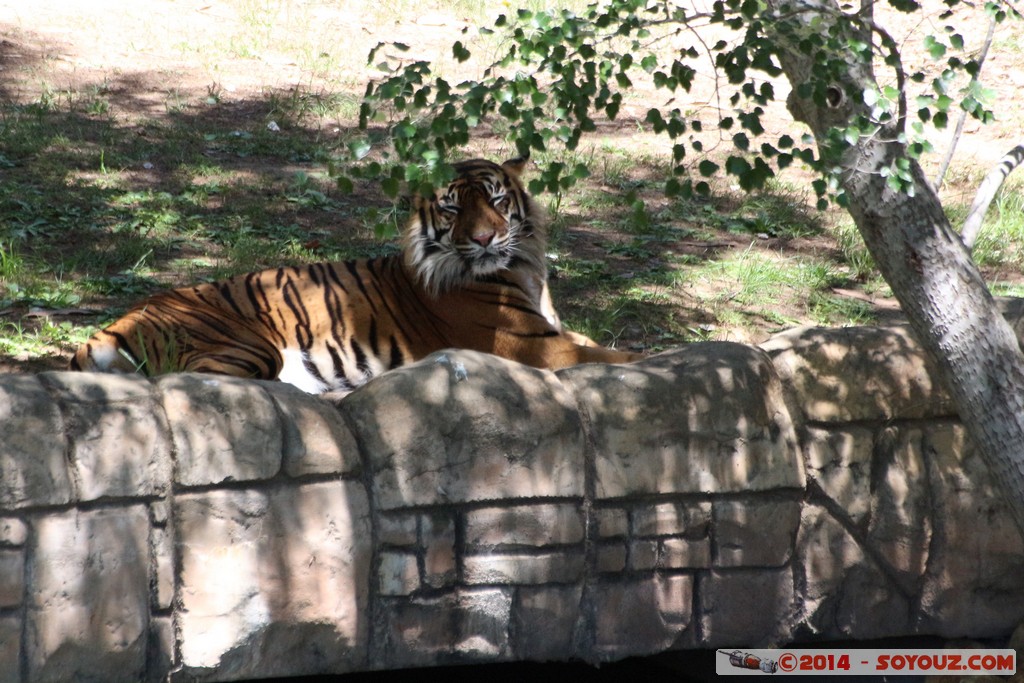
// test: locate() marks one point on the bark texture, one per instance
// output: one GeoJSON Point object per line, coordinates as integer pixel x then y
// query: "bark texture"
{"type": "Point", "coordinates": [924, 261]}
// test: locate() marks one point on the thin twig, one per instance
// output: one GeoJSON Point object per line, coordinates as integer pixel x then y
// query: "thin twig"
{"type": "Point", "coordinates": [940, 176]}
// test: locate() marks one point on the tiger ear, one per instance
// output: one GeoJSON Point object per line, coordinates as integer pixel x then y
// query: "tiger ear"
{"type": "Point", "coordinates": [516, 166]}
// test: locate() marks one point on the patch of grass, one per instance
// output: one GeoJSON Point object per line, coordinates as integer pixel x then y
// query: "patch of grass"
{"type": "Point", "coordinates": [854, 252]}
{"type": "Point", "coordinates": [762, 277]}
{"type": "Point", "coordinates": [779, 210]}
{"type": "Point", "coordinates": [1001, 239]}
{"type": "Point", "coordinates": [829, 309]}
{"type": "Point", "coordinates": [41, 340]}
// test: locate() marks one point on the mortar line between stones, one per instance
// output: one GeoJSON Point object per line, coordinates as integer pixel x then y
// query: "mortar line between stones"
{"type": "Point", "coordinates": [31, 542]}
{"type": "Point", "coordinates": [173, 528]}
{"type": "Point", "coordinates": [585, 635]}
{"type": "Point", "coordinates": [374, 647]}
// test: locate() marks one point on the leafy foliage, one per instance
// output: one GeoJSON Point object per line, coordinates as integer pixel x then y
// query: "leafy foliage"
{"type": "Point", "coordinates": [561, 73]}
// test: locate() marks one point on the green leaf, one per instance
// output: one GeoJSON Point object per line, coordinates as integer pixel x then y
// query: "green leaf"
{"type": "Point", "coordinates": [905, 5]}
{"type": "Point", "coordinates": [707, 168]}
{"type": "Point", "coordinates": [673, 188]}
{"type": "Point", "coordinates": [460, 52]}
{"type": "Point", "coordinates": [737, 166]}
{"type": "Point", "coordinates": [359, 148]}
{"type": "Point", "coordinates": [391, 187]}
{"type": "Point", "coordinates": [935, 48]}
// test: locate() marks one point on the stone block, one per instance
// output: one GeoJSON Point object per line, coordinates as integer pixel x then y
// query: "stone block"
{"type": "Point", "coordinates": [853, 374]}
{"type": "Point", "coordinates": [119, 442]}
{"type": "Point", "coordinates": [845, 594]}
{"type": "Point", "coordinates": [611, 522]}
{"type": "Point", "coordinates": [672, 519]}
{"type": "Point", "coordinates": [545, 620]}
{"type": "Point", "coordinates": [524, 525]}
{"type": "Point", "coordinates": [274, 583]}
{"type": "Point", "coordinates": [88, 596]}
{"type": "Point", "coordinates": [643, 555]}
{"type": "Point", "coordinates": [12, 577]}
{"type": "Point", "coordinates": [160, 510]}
{"type": "Point", "coordinates": [683, 553]}
{"type": "Point", "coordinates": [972, 583]}
{"type": "Point", "coordinates": [13, 532]}
{"type": "Point", "coordinates": [523, 569]}
{"type": "Point", "coordinates": [463, 627]}
{"type": "Point", "coordinates": [33, 469]}
{"type": "Point", "coordinates": [10, 650]}
{"type": "Point", "coordinates": [463, 426]}
{"type": "Point", "coordinates": [747, 607]}
{"type": "Point", "coordinates": [611, 557]}
{"type": "Point", "coordinates": [642, 617]}
{"type": "Point", "coordinates": [839, 460]}
{"type": "Point", "coordinates": [316, 440]}
{"type": "Point", "coordinates": [223, 428]}
{"type": "Point", "coordinates": [163, 559]}
{"type": "Point", "coordinates": [398, 573]}
{"type": "Point", "coordinates": [398, 529]}
{"type": "Point", "coordinates": [752, 533]}
{"type": "Point", "coordinates": [709, 417]}
{"type": "Point", "coordinates": [437, 532]}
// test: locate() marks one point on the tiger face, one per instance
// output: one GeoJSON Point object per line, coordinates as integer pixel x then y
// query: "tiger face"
{"type": "Point", "coordinates": [477, 226]}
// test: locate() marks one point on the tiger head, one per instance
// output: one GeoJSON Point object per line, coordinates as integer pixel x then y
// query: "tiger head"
{"type": "Point", "coordinates": [483, 222]}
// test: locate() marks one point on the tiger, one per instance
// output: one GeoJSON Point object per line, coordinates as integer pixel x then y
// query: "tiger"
{"type": "Point", "coordinates": [471, 273]}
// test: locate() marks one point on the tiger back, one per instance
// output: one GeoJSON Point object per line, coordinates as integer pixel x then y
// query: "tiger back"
{"type": "Point", "coordinates": [471, 274]}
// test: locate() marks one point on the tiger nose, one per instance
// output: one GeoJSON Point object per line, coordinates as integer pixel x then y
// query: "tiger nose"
{"type": "Point", "coordinates": [484, 239]}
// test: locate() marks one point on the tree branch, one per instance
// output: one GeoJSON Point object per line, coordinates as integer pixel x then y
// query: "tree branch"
{"type": "Point", "coordinates": [940, 176]}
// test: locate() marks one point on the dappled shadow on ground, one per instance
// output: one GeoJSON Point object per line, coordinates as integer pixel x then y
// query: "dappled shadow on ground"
{"type": "Point", "coordinates": [121, 183]}
{"type": "Point", "coordinates": [114, 189]}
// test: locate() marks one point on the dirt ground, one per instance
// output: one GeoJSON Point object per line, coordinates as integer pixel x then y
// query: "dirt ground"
{"type": "Point", "coordinates": [152, 56]}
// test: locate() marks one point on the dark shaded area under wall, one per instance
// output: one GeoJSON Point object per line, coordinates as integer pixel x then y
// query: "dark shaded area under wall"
{"type": "Point", "coordinates": [690, 666]}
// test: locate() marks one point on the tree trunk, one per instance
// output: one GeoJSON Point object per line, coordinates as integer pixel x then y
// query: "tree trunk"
{"type": "Point", "coordinates": [929, 269]}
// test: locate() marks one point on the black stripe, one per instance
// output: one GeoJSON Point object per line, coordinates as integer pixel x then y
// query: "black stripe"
{"type": "Point", "coordinates": [225, 290]}
{"type": "Point", "coordinates": [361, 363]}
{"type": "Point", "coordinates": [122, 344]}
{"type": "Point", "coordinates": [396, 355]}
{"type": "Point", "coordinates": [334, 303]}
{"type": "Point", "coordinates": [522, 335]}
{"type": "Point", "coordinates": [390, 265]}
{"type": "Point", "coordinates": [261, 304]}
{"type": "Point", "coordinates": [332, 273]}
{"type": "Point", "coordinates": [315, 275]}
{"type": "Point", "coordinates": [339, 364]}
{"type": "Point", "coordinates": [351, 265]}
{"type": "Point", "coordinates": [303, 332]}
{"type": "Point", "coordinates": [312, 369]}
{"type": "Point", "coordinates": [374, 346]}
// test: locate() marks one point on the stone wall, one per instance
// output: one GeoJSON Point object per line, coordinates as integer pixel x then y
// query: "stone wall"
{"type": "Point", "coordinates": [468, 509]}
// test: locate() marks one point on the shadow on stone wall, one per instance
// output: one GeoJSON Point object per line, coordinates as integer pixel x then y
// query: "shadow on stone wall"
{"type": "Point", "coordinates": [467, 509]}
